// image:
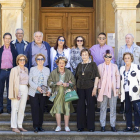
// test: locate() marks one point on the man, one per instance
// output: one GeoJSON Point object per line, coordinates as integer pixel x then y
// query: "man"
{"type": "Point", "coordinates": [19, 43]}
{"type": "Point", "coordinates": [131, 47]}
{"type": "Point", "coordinates": [8, 56]}
{"type": "Point", "coordinates": [36, 47]}
{"type": "Point", "coordinates": [97, 52]}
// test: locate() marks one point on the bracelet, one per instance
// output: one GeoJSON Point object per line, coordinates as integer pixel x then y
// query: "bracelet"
{"type": "Point", "coordinates": [95, 86]}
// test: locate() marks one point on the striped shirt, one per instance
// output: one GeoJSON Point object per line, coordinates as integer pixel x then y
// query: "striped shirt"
{"type": "Point", "coordinates": [7, 58]}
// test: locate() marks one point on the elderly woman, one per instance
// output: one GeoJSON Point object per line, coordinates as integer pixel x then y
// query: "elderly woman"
{"type": "Point", "coordinates": [130, 93]}
{"type": "Point", "coordinates": [60, 80]}
{"type": "Point", "coordinates": [38, 77]}
{"type": "Point", "coordinates": [75, 59]}
{"type": "Point", "coordinates": [18, 92]}
{"type": "Point", "coordinates": [108, 88]}
{"type": "Point", "coordinates": [87, 79]}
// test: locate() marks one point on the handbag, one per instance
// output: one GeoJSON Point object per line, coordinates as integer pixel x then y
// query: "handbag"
{"type": "Point", "coordinates": [138, 107]}
{"type": "Point", "coordinates": [52, 98]}
{"type": "Point", "coordinates": [71, 95]}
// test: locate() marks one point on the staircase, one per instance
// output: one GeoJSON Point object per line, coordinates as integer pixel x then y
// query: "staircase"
{"type": "Point", "coordinates": [50, 124]}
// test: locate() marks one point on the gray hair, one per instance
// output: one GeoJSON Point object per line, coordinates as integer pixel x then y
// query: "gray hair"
{"type": "Point", "coordinates": [130, 35]}
{"type": "Point", "coordinates": [38, 32]}
{"type": "Point", "coordinates": [19, 29]}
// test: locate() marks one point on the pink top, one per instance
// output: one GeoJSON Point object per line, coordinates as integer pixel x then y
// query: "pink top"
{"type": "Point", "coordinates": [23, 79]}
{"type": "Point", "coordinates": [7, 58]}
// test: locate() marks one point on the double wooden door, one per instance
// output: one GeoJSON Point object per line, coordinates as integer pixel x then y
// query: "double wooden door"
{"type": "Point", "coordinates": [67, 24]}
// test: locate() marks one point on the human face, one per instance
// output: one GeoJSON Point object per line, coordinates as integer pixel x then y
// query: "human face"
{"type": "Point", "coordinates": [40, 61]}
{"type": "Point", "coordinates": [79, 41]}
{"type": "Point", "coordinates": [85, 56]}
{"type": "Point", "coordinates": [21, 61]}
{"type": "Point", "coordinates": [7, 39]}
{"type": "Point", "coordinates": [102, 40]}
{"type": "Point", "coordinates": [127, 59]}
{"type": "Point", "coordinates": [129, 40]}
{"type": "Point", "coordinates": [108, 58]}
{"type": "Point", "coordinates": [61, 41]}
{"type": "Point", "coordinates": [38, 38]}
{"type": "Point", "coordinates": [61, 64]}
{"type": "Point", "coordinates": [19, 35]}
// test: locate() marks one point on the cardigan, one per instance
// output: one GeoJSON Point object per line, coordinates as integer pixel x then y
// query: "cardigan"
{"type": "Point", "coordinates": [28, 53]}
{"type": "Point", "coordinates": [34, 77]}
{"type": "Point", "coordinates": [133, 82]}
{"type": "Point", "coordinates": [53, 54]}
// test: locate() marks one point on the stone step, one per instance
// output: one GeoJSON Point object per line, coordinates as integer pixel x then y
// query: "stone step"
{"type": "Point", "coordinates": [51, 125]}
{"type": "Point", "coordinates": [73, 135]}
{"type": "Point", "coordinates": [48, 117]}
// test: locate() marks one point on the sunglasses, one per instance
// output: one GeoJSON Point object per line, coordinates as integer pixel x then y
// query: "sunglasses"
{"type": "Point", "coordinates": [22, 60]}
{"type": "Point", "coordinates": [61, 40]}
{"type": "Point", "coordinates": [79, 40]}
{"type": "Point", "coordinates": [38, 59]}
{"type": "Point", "coordinates": [108, 56]}
{"type": "Point", "coordinates": [101, 38]}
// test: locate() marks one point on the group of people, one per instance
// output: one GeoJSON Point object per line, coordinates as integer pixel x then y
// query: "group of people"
{"type": "Point", "coordinates": [28, 67]}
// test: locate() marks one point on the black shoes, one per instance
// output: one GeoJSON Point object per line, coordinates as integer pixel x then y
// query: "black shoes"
{"type": "Point", "coordinates": [113, 129]}
{"type": "Point", "coordinates": [9, 111]}
{"type": "Point", "coordinates": [136, 130]}
{"type": "Point", "coordinates": [80, 130]}
{"type": "Point", "coordinates": [41, 129]}
{"type": "Point", "coordinates": [103, 129]}
{"type": "Point", "coordinates": [36, 130]}
{"type": "Point", "coordinates": [1, 111]}
{"type": "Point", "coordinates": [127, 129]}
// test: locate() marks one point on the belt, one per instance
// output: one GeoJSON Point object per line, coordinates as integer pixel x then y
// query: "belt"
{"type": "Point", "coordinates": [6, 69]}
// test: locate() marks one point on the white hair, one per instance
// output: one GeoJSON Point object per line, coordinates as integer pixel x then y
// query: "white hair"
{"type": "Point", "coordinates": [130, 35]}
{"type": "Point", "coordinates": [38, 32]}
{"type": "Point", "coordinates": [19, 29]}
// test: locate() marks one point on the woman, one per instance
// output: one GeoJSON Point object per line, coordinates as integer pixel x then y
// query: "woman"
{"type": "Point", "coordinates": [38, 77]}
{"type": "Point", "coordinates": [18, 92]}
{"type": "Point", "coordinates": [108, 88]}
{"type": "Point", "coordinates": [75, 59]}
{"type": "Point", "coordinates": [59, 50]}
{"type": "Point", "coordinates": [60, 80]}
{"type": "Point", "coordinates": [87, 79]}
{"type": "Point", "coordinates": [130, 93]}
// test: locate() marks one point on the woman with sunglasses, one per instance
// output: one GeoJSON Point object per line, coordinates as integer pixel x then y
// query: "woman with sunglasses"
{"type": "Point", "coordinates": [59, 50]}
{"type": "Point", "coordinates": [18, 85]}
{"type": "Point", "coordinates": [108, 88]}
{"type": "Point", "coordinates": [79, 43]}
{"type": "Point", "coordinates": [37, 78]}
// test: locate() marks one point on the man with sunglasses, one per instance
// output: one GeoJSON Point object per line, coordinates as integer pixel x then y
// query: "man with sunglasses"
{"type": "Point", "coordinates": [98, 51]}
{"type": "Point", "coordinates": [36, 47]}
{"type": "Point", "coordinates": [8, 56]}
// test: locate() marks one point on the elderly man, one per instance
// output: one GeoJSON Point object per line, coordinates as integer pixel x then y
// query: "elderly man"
{"type": "Point", "coordinates": [8, 56]}
{"type": "Point", "coordinates": [36, 47]}
{"type": "Point", "coordinates": [19, 43]}
{"type": "Point", "coordinates": [97, 52]}
{"type": "Point", "coordinates": [131, 47]}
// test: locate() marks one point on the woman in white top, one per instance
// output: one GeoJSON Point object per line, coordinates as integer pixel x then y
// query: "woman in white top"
{"type": "Point", "coordinates": [59, 50]}
{"type": "Point", "coordinates": [130, 91]}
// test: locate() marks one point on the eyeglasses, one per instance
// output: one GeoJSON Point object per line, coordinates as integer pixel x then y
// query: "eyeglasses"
{"type": "Point", "coordinates": [61, 40]}
{"type": "Point", "coordinates": [101, 38]}
{"type": "Point", "coordinates": [108, 56]}
{"type": "Point", "coordinates": [79, 40]}
{"type": "Point", "coordinates": [38, 59]}
{"type": "Point", "coordinates": [19, 33]}
{"type": "Point", "coordinates": [22, 60]}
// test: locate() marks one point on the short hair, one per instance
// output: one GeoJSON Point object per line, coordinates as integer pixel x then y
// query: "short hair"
{"type": "Point", "coordinates": [40, 54]}
{"type": "Point", "coordinates": [19, 29]}
{"type": "Point", "coordinates": [7, 34]}
{"type": "Point", "coordinates": [38, 32]}
{"type": "Point", "coordinates": [62, 58]}
{"type": "Point", "coordinates": [102, 33]}
{"type": "Point", "coordinates": [107, 52]}
{"type": "Point", "coordinates": [86, 50]}
{"type": "Point", "coordinates": [75, 41]}
{"type": "Point", "coordinates": [128, 53]}
{"type": "Point", "coordinates": [19, 56]}
{"type": "Point", "coordinates": [130, 35]}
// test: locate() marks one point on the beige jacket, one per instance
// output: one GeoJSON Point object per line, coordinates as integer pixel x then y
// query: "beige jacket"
{"type": "Point", "coordinates": [14, 82]}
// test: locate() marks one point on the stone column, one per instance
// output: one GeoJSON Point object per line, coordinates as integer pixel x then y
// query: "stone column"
{"type": "Point", "coordinates": [12, 15]}
{"type": "Point", "coordinates": [125, 21]}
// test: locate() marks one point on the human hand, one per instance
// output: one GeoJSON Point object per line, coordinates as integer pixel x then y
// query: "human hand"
{"type": "Point", "coordinates": [48, 94]}
{"type": "Point", "coordinates": [65, 84]}
{"type": "Point", "coordinates": [59, 83]}
{"type": "Point", "coordinates": [39, 89]}
{"type": "Point", "coordinates": [94, 92]}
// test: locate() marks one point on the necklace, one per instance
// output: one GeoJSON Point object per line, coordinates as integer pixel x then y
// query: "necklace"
{"type": "Point", "coordinates": [83, 70]}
